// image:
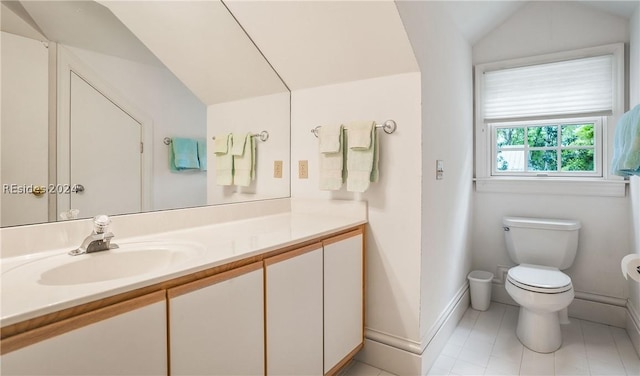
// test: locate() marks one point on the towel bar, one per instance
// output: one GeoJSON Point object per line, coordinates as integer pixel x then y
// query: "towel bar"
{"type": "Point", "coordinates": [388, 127]}
{"type": "Point", "coordinates": [263, 136]}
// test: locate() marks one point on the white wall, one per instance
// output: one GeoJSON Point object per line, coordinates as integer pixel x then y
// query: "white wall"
{"type": "Point", "coordinates": [270, 113]}
{"type": "Point", "coordinates": [25, 90]}
{"type": "Point", "coordinates": [419, 229]}
{"type": "Point", "coordinates": [539, 28]}
{"type": "Point", "coordinates": [447, 118]}
{"type": "Point", "coordinates": [393, 234]}
{"type": "Point", "coordinates": [634, 189]}
{"type": "Point", "coordinates": [175, 112]}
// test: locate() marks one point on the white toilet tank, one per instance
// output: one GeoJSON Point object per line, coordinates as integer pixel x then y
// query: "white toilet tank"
{"type": "Point", "coordinates": [540, 241]}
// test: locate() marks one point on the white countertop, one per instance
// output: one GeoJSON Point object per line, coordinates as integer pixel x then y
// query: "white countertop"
{"type": "Point", "coordinates": [23, 297]}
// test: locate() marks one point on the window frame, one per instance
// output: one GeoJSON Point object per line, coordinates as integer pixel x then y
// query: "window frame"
{"type": "Point", "coordinates": [597, 147]}
{"type": "Point", "coordinates": [604, 184]}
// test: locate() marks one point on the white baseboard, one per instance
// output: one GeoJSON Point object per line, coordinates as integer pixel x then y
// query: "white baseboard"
{"type": "Point", "coordinates": [633, 326]}
{"type": "Point", "coordinates": [442, 335]}
{"type": "Point", "coordinates": [402, 356]}
{"type": "Point", "coordinates": [389, 358]}
{"type": "Point", "coordinates": [585, 306]}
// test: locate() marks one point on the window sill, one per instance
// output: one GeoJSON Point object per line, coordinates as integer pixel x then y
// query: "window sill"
{"type": "Point", "coordinates": [552, 186]}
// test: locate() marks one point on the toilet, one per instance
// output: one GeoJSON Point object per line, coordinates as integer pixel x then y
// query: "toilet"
{"type": "Point", "coordinates": [541, 248]}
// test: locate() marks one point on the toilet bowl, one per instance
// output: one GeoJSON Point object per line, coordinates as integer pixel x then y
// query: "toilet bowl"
{"type": "Point", "coordinates": [542, 293]}
{"type": "Point", "coordinates": [542, 248]}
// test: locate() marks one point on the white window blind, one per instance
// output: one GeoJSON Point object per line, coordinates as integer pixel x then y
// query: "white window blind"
{"type": "Point", "coordinates": [581, 86]}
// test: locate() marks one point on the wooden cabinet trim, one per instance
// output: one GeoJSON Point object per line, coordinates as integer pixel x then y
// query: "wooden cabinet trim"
{"type": "Point", "coordinates": [364, 279]}
{"type": "Point", "coordinates": [212, 280]}
{"type": "Point", "coordinates": [291, 254]}
{"type": "Point", "coordinates": [61, 327]}
{"type": "Point", "coordinates": [360, 230]}
{"type": "Point", "coordinates": [344, 236]}
{"type": "Point", "coordinates": [336, 369]}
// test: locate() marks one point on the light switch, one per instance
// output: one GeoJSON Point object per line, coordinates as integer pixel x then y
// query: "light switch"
{"type": "Point", "coordinates": [439, 169]}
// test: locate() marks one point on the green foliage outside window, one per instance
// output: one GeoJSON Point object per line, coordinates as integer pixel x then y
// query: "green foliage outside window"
{"type": "Point", "coordinates": [546, 148]}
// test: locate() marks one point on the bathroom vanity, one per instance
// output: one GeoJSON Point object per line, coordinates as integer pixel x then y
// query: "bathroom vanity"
{"type": "Point", "coordinates": [277, 294]}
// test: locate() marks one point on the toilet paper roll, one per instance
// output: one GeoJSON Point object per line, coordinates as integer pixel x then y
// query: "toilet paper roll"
{"type": "Point", "coordinates": [631, 267]}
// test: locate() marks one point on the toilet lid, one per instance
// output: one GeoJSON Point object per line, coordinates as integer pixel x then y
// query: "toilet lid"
{"type": "Point", "coordinates": [539, 278]}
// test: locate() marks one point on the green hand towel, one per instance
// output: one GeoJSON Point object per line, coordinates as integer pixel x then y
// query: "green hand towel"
{"type": "Point", "coordinates": [331, 145]}
{"type": "Point", "coordinates": [362, 163]}
{"type": "Point", "coordinates": [223, 159]}
{"type": "Point", "coordinates": [244, 160]}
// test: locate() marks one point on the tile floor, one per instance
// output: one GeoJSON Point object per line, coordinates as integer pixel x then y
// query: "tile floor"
{"type": "Point", "coordinates": [356, 368]}
{"type": "Point", "coordinates": [485, 343]}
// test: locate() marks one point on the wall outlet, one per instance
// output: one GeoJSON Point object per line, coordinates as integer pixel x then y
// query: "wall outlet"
{"type": "Point", "coordinates": [303, 169]}
{"type": "Point", "coordinates": [277, 169]}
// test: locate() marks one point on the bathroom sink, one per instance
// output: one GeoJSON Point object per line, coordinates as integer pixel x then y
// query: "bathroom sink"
{"type": "Point", "coordinates": [130, 260]}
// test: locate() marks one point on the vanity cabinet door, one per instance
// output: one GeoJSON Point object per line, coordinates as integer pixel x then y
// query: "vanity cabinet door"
{"type": "Point", "coordinates": [216, 324]}
{"type": "Point", "coordinates": [294, 312]}
{"type": "Point", "coordinates": [343, 299]}
{"type": "Point", "coordinates": [128, 338]}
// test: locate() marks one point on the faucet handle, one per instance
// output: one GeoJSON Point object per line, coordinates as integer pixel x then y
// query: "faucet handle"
{"type": "Point", "coordinates": [101, 223]}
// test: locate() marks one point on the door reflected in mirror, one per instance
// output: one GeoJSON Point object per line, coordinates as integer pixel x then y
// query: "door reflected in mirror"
{"type": "Point", "coordinates": [91, 89]}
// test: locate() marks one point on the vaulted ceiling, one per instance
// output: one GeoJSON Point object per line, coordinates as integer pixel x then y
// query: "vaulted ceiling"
{"type": "Point", "coordinates": [477, 18]}
{"type": "Point", "coordinates": [315, 43]}
{"type": "Point", "coordinates": [312, 43]}
{"type": "Point", "coordinates": [308, 42]}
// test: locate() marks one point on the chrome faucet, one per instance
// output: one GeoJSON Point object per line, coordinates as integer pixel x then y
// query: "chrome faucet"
{"type": "Point", "coordinates": [99, 239]}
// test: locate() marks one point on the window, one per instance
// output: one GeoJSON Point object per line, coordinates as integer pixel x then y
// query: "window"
{"type": "Point", "coordinates": [545, 118]}
{"type": "Point", "coordinates": [556, 148]}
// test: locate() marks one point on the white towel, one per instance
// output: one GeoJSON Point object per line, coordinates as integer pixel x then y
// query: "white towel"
{"type": "Point", "coordinates": [331, 145]}
{"type": "Point", "coordinates": [360, 134]}
{"type": "Point", "coordinates": [223, 159]}
{"type": "Point", "coordinates": [220, 144]}
{"type": "Point", "coordinates": [243, 160]}
{"type": "Point", "coordinates": [362, 162]}
{"type": "Point", "coordinates": [330, 138]}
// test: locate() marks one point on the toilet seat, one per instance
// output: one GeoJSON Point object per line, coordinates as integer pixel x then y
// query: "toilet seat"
{"type": "Point", "coordinates": [540, 279]}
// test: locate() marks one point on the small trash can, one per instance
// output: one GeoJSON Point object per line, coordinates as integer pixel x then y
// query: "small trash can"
{"type": "Point", "coordinates": [480, 285]}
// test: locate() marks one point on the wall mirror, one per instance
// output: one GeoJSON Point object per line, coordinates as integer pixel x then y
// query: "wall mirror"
{"type": "Point", "coordinates": [93, 92]}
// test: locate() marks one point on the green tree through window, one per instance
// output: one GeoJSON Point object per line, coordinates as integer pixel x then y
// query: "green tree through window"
{"type": "Point", "coordinates": [545, 148]}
